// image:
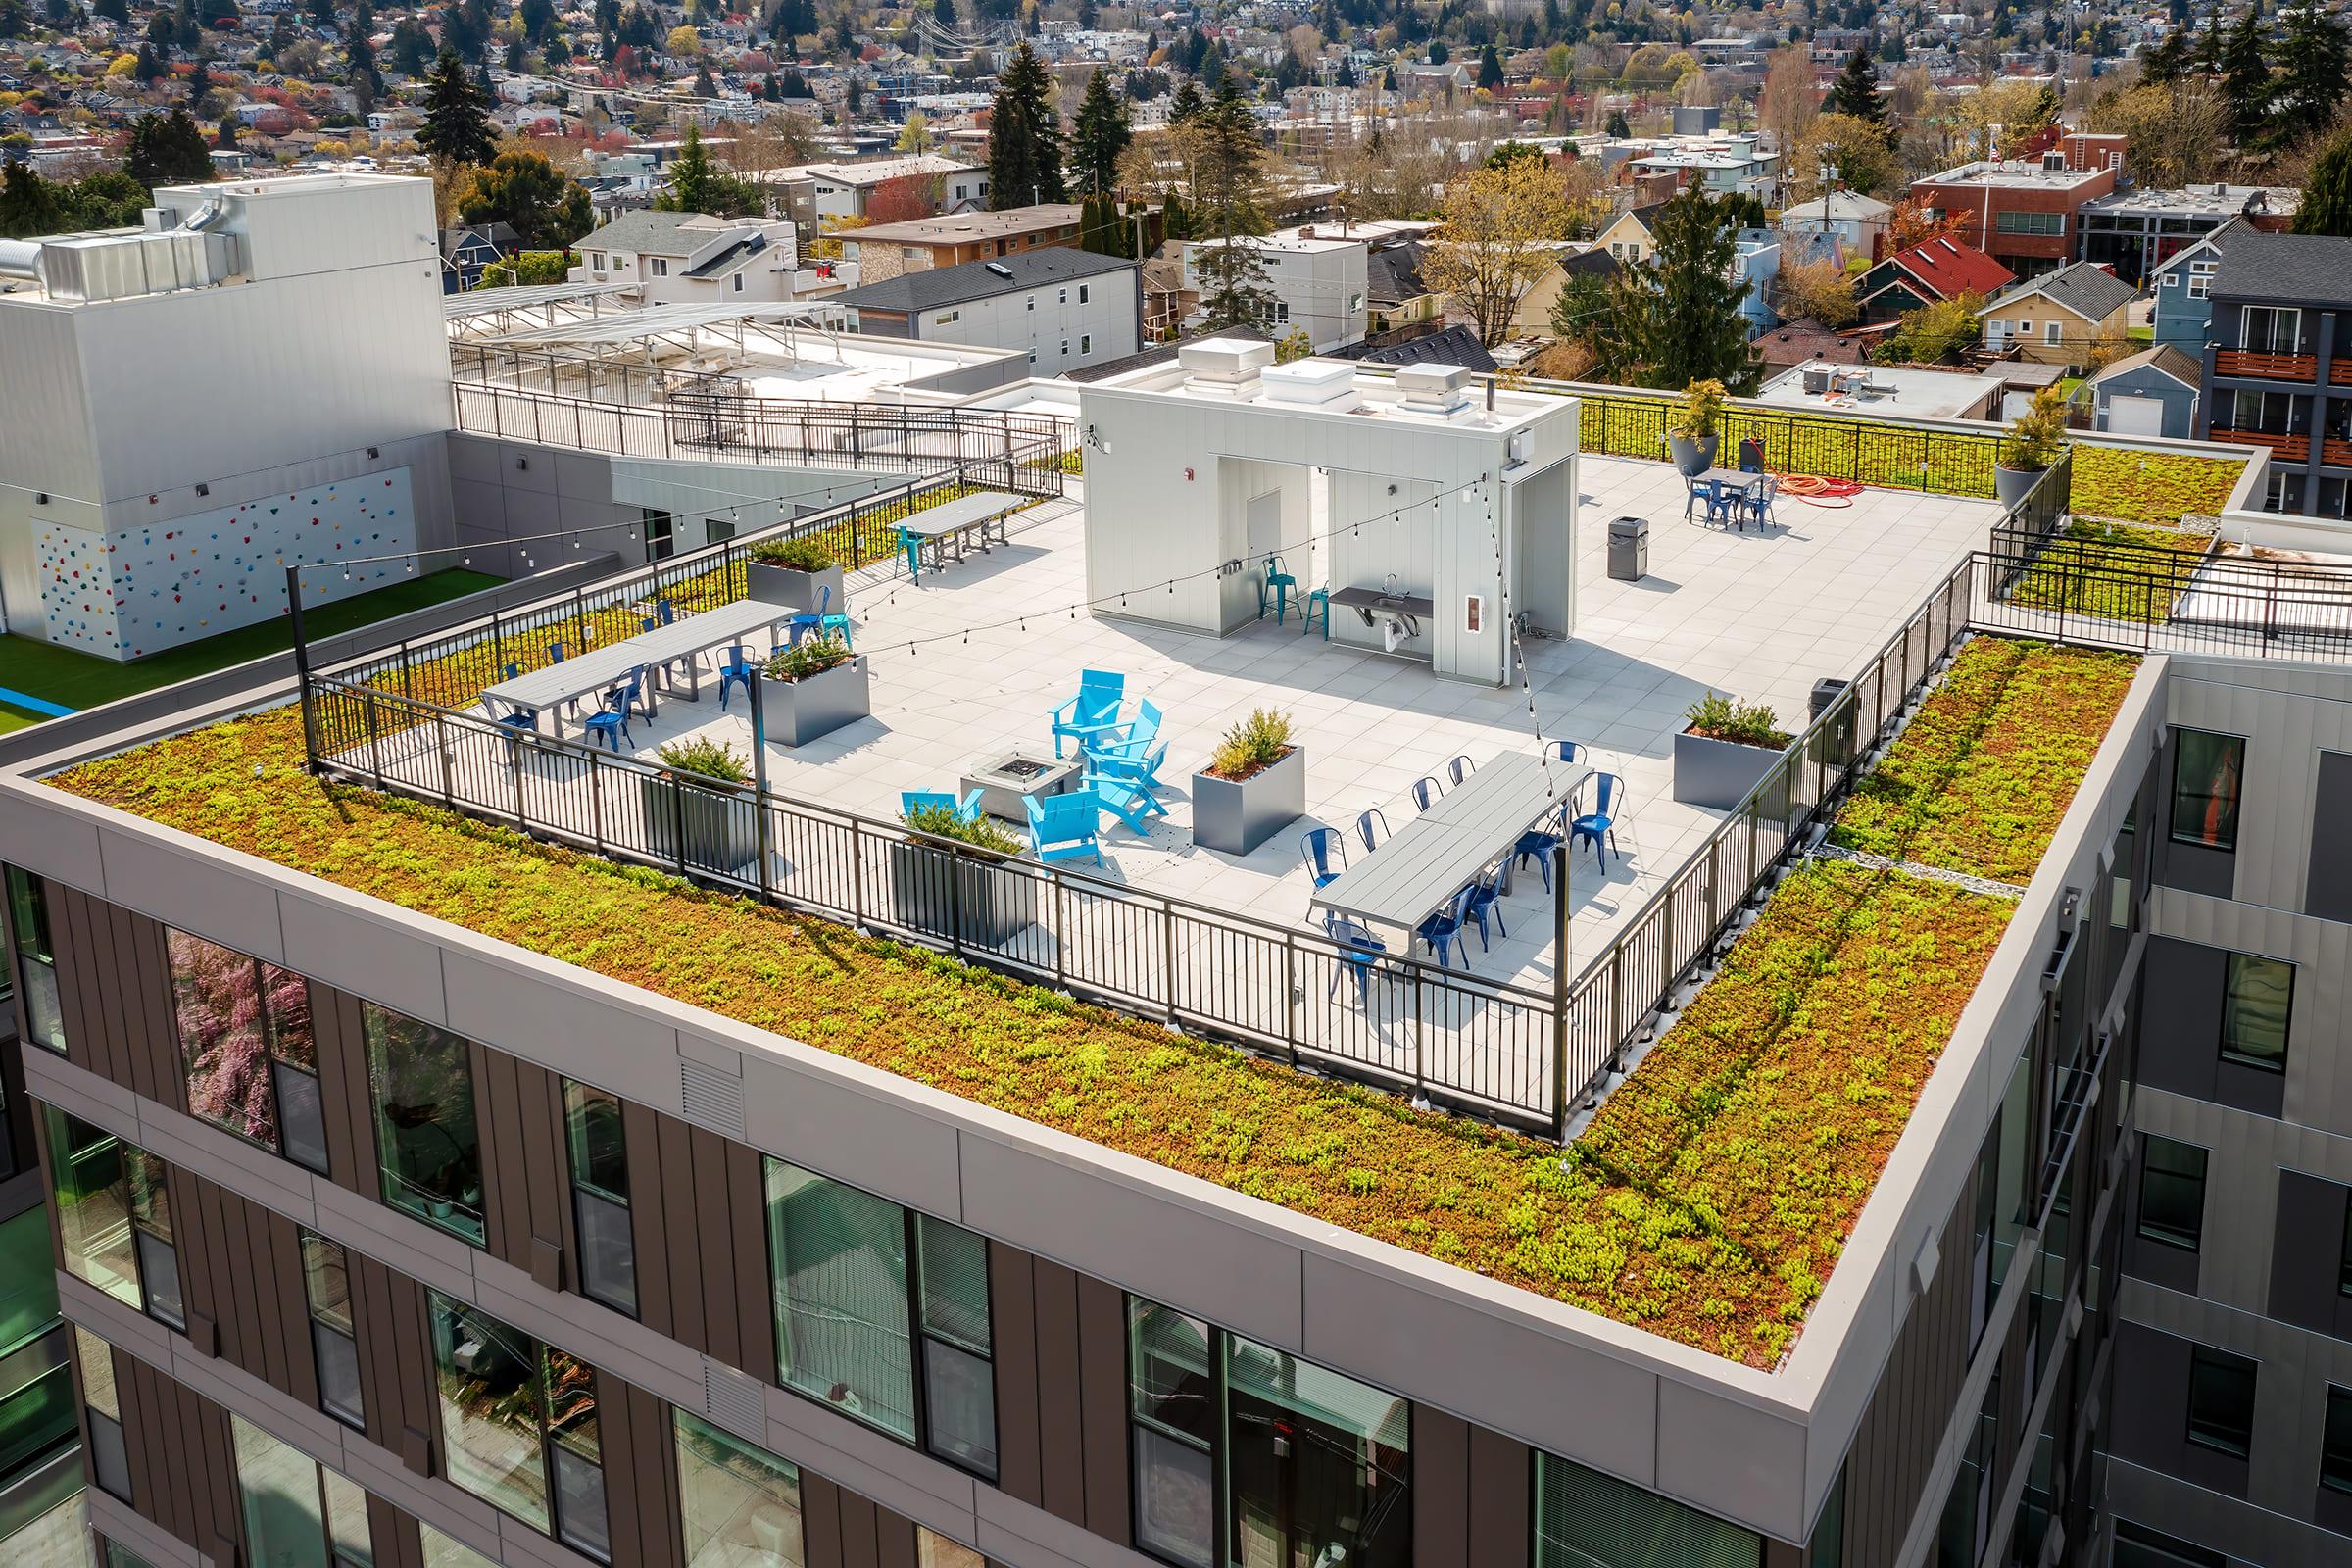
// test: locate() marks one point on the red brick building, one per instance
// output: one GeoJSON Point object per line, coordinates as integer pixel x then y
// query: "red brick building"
{"type": "Point", "coordinates": [2030, 208]}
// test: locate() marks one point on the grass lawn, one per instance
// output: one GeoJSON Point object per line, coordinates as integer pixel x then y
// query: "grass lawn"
{"type": "Point", "coordinates": [80, 680]}
{"type": "Point", "coordinates": [1706, 1203]}
{"type": "Point", "coordinates": [2112, 570]}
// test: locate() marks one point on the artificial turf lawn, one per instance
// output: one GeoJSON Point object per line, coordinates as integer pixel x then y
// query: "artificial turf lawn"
{"type": "Point", "coordinates": [1979, 779]}
{"type": "Point", "coordinates": [2115, 570]}
{"type": "Point", "coordinates": [80, 680]}
{"type": "Point", "coordinates": [1706, 1202]}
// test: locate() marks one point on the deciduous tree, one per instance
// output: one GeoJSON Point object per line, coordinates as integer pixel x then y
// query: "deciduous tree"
{"type": "Point", "coordinates": [546, 208]}
{"type": "Point", "coordinates": [1501, 233]}
{"type": "Point", "coordinates": [1822, 290]}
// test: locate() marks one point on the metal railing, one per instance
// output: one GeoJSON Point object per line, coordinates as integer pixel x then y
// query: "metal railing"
{"type": "Point", "coordinates": [449, 668]}
{"type": "Point", "coordinates": [865, 437]}
{"type": "Point", "coordinates": [597, 378]}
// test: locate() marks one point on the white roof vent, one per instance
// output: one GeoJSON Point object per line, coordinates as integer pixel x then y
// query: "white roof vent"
{"type": "Point", "coordinates": [1326, 384]}
{"type": "Point", "coordinates": [1440, 390]}
{"type": "Point", "coordinates": [1226, 366]}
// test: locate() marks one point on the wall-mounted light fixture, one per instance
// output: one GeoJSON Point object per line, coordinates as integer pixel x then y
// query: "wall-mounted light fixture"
{"type": "Point", "coordinates": [204, 489]}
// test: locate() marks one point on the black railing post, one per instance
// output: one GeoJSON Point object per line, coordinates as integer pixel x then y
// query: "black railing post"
{"type": "Point", "coordinates": [758, 777]}
{"type": "Point", "coordinates": [1559, 994]}
{"type": "Point", "coordinates": [301, 669]}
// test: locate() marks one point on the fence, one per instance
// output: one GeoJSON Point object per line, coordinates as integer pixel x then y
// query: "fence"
{"type": "Point", "coordinates": [867, 437]}
{"type": "Point", "coordinates": [451, 668]}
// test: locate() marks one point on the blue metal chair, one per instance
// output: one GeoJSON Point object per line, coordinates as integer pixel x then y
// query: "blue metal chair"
{"type": "Point", "coordinates": [1442, 930]}
{"type": "Point", "coordinates": [738, 667]}
{"type": "Point", "coordinates": [914, 547]}
{"type": "Point", "coordinates": [967, 809]}
{"type": "Point", "coordinates": [613, 721]}
{"type": "Point", "coordinates": [1427, 792]}
{"type": "Point", "coordinates": [555, 653]}
{"type": "Point", "coordinates": [1537, 842]}
{"type": "Point", "coordinates": [822, 622]}
{"type": "Point", "coordinates": [1460, 768]}
{"type": "Point", "coordinates": [1600, 823]}
{"type": "Point", "coordinates": [632, 693]}
{"type": "Point", "coordinates": [1359, 955]}
{"type": "Point", "coordinates": [1485, 896]}
{"type": "Point", "coordinates": [1566, 751]}
{"type": "Point", "coordinates": [1697, 491]}
{"type": "Point", "coordinates": [1277, 585]}
{"type": "Point", "coordinates": [510, 672]}
{"type": "Point", "coordinates": [1094, 710]}
{"type": "Point", "coordinates": [1318, 849]}
{"type": "Point", "coordinates": [1318, 602]}
{"type": "Point", "coordinates": [668, 612]}
{"type": "Point", "coordinates": [1364, 825]}
{"type": "Point", "coordinates": [1760, 497]}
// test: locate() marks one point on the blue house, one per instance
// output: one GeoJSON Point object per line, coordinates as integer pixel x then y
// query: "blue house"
{"type": "Point", "coordinates": [1756, 261]}
{"type": "Point", "coordinates": [2153, 392]}
{"type": "Point", "coordinates": [2182, 284]}
{"type": "Point", "coordinates": [465, 251]}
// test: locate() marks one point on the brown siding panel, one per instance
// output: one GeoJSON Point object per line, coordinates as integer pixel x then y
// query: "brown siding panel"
{"type": "Point", "coordinates": [1440, 1488]}
{"type": "Point", "coordinates": [893, 1539]}
{"type": "Point", "coordinates": [747, 1207]}
{"type": "Point", "coordinates": [1060, 1415]}
{"type": "Point", "coordinates": [674, 1151]}
{"type": "Point", "coordinates": [347, 1111]}
{"type": "Point", "coordinates": [1501, 1516]}
{"type": "Point", "coordinates": [1013, 1315]}
{"type": "Point", "coordinates": [640, 1474]}
{"type": "Point", "coordinates": [861, 1547]}
{"type": "Point", "coordinates": [85, 1046]}
{"type": "Point", "coordinates": [708, 1152]}
{"type": "Point", "coordinates": [641, 1133]}
{"type": "Point", "coordinates": [1102, 1402]}
{"type": "Point", "coordinates": [820, 1520]}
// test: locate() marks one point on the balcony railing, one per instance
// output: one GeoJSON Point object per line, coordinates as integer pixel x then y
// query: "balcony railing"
{"type": "Point", "coordinates": [2271, 367]}
{"type": "Point", "coordinates": [2293, 448]}
{"type": "Point", "coordinates": [2335, 452]}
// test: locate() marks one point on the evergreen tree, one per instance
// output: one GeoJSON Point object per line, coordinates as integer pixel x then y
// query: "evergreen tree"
{"type": "Point", "coordinates": [942, 11]}
{"type": "Point", "coordinates": [2168, 62]}
{"type": "Point", "coordinates": [167, 150]}
{"type": "Point", "coordinates": [547, 208]}
{"type": "Point", "coordinates": [1228, 177]}
{"type": "Point", "coordinates": [412, 47]}
{"type": "Point", "coordinates": [2313, 60]}
{"type": "Point", "coordinates": [1856, 90]}
{"type": "Point", "coordinates": [456, 117]}
{"type": "Point", "coordinates": [1678, 310]}
{"type": "Point", "coordinates": [1490, 68]}
{"type": "Point", "coordinates": [226, 138]}
{"type": "Point", "coordinates": [698, 186]}
{"type": "Point", "coordinates": [1617, 127]}
{"type": "Point", "coordinates": [29, 206]}
{"type": "Point", "coordinates": [161, 34]}
{"type": "Point", "coordinates": [366, 82]}
{"type": "Point", "coordinates": [1024, 136]}
{"type": "Point", "coordinates": [2209, 44]}
{"type": "Point", "coordinates": [117, 12]}
{"type": "Point", "coordinates": [2246, 78]}
{"type": "Point", "coordinates": [281, 29]}
{"type": "Point", "coordinates": [2327, 206]}
{"type": "Point", "coordinates": [1100, 136]}
{"type": "Point", "coordinates": [149, 66]}
{"type": "Point", "coordinates": [1186, 104]}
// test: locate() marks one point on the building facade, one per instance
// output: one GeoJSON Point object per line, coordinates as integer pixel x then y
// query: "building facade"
{"type": "Point", "coordinates": [1064, 308]}
{"type": "Point", "coordinates": [2134, 233]}
{"type": "Point", "coordinates": [2023, 215]}
{"type": "Point", "coordinates": [2278, 370]}
{"type": "Point", "coordinates": [886, 250]}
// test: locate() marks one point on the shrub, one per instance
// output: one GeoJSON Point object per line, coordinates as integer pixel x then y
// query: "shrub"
{"type": "Point", "coordinates": [1720, 718]}
{"type": "Point", "coordinates": [708, 757]}
{"type": "Point", "coordinates": [941, 823]}
{"type": "Point", "coordinates": [804, 554]}
{"type": "Point", "coordinates": [1702, 406]}
{"type": "Point", "coordinates": [811, 656]}
{"type": "Point", "coordinates": [1253, 746]}
{"type": "Point", "coordinates": [2035, 435]}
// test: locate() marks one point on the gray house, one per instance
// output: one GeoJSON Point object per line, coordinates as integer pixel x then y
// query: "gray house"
{"type": "Point", "coordinates": [2182, 285]}
{"type": "Point", "coordinates": [1067, 307]}
{"type": "Point", "coordinates": [2153, 392]}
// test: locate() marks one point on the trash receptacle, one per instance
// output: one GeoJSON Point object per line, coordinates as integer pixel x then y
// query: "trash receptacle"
{"type": "Point", "coordinates": [1836, 742]}
{"type": "Point", "coordinates": [1629, 549]}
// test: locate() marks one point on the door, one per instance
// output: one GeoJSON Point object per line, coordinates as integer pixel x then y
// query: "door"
{"type": "Point", "coordinates": [2135, 415]}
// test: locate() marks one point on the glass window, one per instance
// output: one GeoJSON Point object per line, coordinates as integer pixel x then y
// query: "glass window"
{"type": "Point", "coordinates": [1583, 1517]}
{"type": "Point", "coordinates": [935, 1551]}
{"type": "Point", "coordinates": [1172, 1407]}
{"type": "Point", "coordinates": [37, 959]}
{"type": "Point", "coordinates": [245, 1036]}
{"type": "Point", "coordinates": [285, 1512]}
{"type": "Point", "coordinates": [102, 1405]}
{"type": "Point", "coordinates": [959, 1387]}
{"type": "Point", "coordinates": [2206, 770]}
{"type": "Point", "coordinates": [427, 1142]}
{"type": "Point", "coordinates": [600, 1183]}
{"type": "Point", "coordinates": [444, 1551]}
{"type": "Point", "coordinates": [335, 1340]}
{"type": "Point", "coordinates": [2139, 1547]}
{"type": "Point", "coordinates": [741, 1503]}
{"type": "Point", "coordinates": [88, 1173]}
{"type": "Point", "coordinates": [2255, 999]}
{"type": "Point", "coordinates": [28, 1279]}
{"type": "Point", "coordinates": [121, 1556]}
{"type": "Point", "coordinates": [2220, 1402]}
{"type": "Point", "coordinates": [2335, 1441]}
{"type": "Point", "coordinates": [839, 1259]}
{"type": "Point", "coordinates": [519, 1425]}
{"type": "Point", "coordinates": [346, 1529]}
{"type": "Point", "coordinates": [37, 1405]}
{"type": "Point", "coordinates": [2172, 1193]}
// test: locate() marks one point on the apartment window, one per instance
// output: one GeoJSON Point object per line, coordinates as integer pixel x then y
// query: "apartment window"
{"type": "Point", "coordinates": [245, 1038]}
{"type": "Point", "coordinates": [661, 535]}
{"type": "Point", "coordinates": [1082, 293]}
{"type": "Point", "coordinates": [596, 261]}
{"type": "Point", "coordinates": [2201, 279]}
{"type": "Point", "coordinates": [2122, 894]}
{"type": "Point", "coordinates": [444, 1551]}
{"type": "Point", "coordinates": [102, 1407]}
{"type": "Point", "coordinates": [298, 1513]}
{"type": "Point", "coordinates": [36, 1375]}
{"type": "Point", "coordinates": [2271, 330]}
{"type": "Point", "coordinates": [853, 1317]}
{"type": "Point", "coordinates": [2335, 1441]}
{"type": "Point", "coordinates": [2025, 330]}
{"type": "Point", "coordinates": [1066, 348]}
{"type": "Point", "coordinates": [1583, 1517]}
{"type": "Point", "coordinates": [1063, 297]}
{"type": "Point", "coordinates": [2139, 1547]}
{"type": "Point", "coordinates": [2172, 1193]}
{"type": "Point", "coordinates": [1284, 1460]}
{"type": "Point", "coordinates": [659, 265]}
{"type": "Point", "coordinates": [427, 1142]}
{"type": "Point", "coordinates": [741, 1503]}
{"type": "Point", "coordinates": [600, 1197]}
{"type": "Point", "coordinates": [739, 283]}
{"type": "Point", "coordinates": [113, 1216]}
{"type": "Point", "coordinates": [37, 959]}
{"type": "Point", "coordinates": [1032, 302]}
{"type": "Point", "coordinates": [334, 1339]}
{"type": "Point", "coordinates": [2041, 224]}
{"type": "Point", "coordinates": [2257, 995]}
{"type": "Point", "coordinates": [2343, 1269]}
{"type": "Point", "coordinates": [2220, 1402]}
{"type": "Point", "coordinates": [2206, 773]}
{"type": "Point", "coordinates": [519, 1425]}
{"type": "Point", "coordinates": [1086, 343]}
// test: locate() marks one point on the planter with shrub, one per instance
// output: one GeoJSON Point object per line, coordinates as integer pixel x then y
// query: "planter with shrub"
{"type": "Point", "coordinates": [813, 688]}
{"type": "Point", "coordinates": [698, 811]}
{"type": "Point", "coordinates": [967, 886]}
{"type": "Point", "coordinates": [2030, 448]}
{"type": "Point", "coordinates": [1254, 786]}
{"type": "Point", "coordinates": [1693, 437]}
{"type": "Point", "coordinates": [792, 571]}
{"type": "Point", "coordinates": [1725, 749]}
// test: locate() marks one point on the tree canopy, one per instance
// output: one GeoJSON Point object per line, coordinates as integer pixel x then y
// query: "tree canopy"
{"type": "Point", "coordinates": [1225, 217]}
{"type": "Point", "coordinates": [457, 124]}
{"type": "Point", "coordinates": [167, 150]}
{"type": "Point", "coordinates": [1024, 136]}
{"type": "Point", "coordinates": [1100, 136]}
{"type": "Point", "coordinates": [698, 186]}
{"type": "Point", "coordinates": [1856, 90]}
{"type": "Point", "coordinates": [546, 208]}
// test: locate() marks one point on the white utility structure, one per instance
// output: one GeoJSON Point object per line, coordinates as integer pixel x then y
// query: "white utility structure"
{"type": "Point", "coordinates": [1433, 511]}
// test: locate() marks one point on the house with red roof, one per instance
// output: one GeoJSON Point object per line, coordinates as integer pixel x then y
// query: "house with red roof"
{"type": "Point", "coordinates": [1934, 269]}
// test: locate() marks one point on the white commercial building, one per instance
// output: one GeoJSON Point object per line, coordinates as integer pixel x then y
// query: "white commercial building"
{"type": "Point", "coordinates": [1434, 518]}
{"type": "Point", "coordinates": [260, 378]}
{"type": "Point", "coordinates": [1063, 308]}
{"type": "Point", "coordinates": [1318, 283]}
{"type": "Point", "coordinates": [691, 258]}
{"type": "Point", "coordinates": [843, 190]}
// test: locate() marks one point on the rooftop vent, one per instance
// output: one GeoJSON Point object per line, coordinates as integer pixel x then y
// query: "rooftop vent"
{"type": "Point", "coordinates": [1439, 390]}
{"type": "Point", "coordinates": [1325, 384]}
{"type": "Point", "coordinates": [999, 269]}
{"type": "Point", "coordinates": [1224, 367]}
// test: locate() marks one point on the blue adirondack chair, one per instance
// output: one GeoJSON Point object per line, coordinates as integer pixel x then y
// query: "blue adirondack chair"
{"type": "Point", "coordinates": [1444, 929]}
{"type": "Point", "coordinates": [1065, 827]}
{"type": "Point", "coordinates": [1129, 802]}
{"type": "Point", "coordinates": [1600, 825]}
{"type": "Point", "coordinates": [967, 809]}
{"type": "Point", "coordinates": [1093, 712]}
{"type": "Point", "coordinates": [1132, 738]}
{"type": "Point", "coordinates": [1325, 852]}
{"type": "Point", "coordinates": [1359, 953]}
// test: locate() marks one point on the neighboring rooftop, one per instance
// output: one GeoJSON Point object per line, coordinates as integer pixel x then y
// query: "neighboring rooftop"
{"type": "Point", "coordinates": [648, 232]}
{"type": "Point", "coordinates": [1951, 269]}
{"type": "Point", "coordinates": [1456, 345]}
{"type": "Point", "coordinates": [963, 228]}
{"type": "Point", "coordinates": [2292, 269]}
{"type": "Point", "coordinates": [934, 287]}
{"type": "Point", "coordinates": [2085, 288]}
{"type": "Point", "coordinates": [2164, 359]}
{"type": "Point", "coordinates": [2200, 201]}
{"type": "Point", "coordinates": [1912, 392]}
{"type": "Point", "coordinates": [2017, 174]}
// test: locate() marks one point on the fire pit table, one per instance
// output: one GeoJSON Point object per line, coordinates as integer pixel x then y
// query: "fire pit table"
{"type": "Point", "coordinates": [1005, 779]}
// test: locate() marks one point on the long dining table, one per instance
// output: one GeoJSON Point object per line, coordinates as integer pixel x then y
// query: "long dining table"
{"type": "Point", "coordinates": [597, 669]}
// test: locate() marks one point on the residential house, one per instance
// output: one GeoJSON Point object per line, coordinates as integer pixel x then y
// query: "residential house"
{"type": "Point", "coordinates": [2279, 365]}
{"type": "Point", "coordinates": [2023, 215]}
{"type": "Point", "coordinates": [1589, 259]}
{"type": "Point", "coordinates": [1628, 239]}
{"type": "Point", "coordinates": [1395, 295]}
{"type": "Point", "coordinates": [1757, 263]}
{"type": "Point", "coordinates": [1066, 307]}
{"type": "Point", "coordinates": [2153, 392]}
{"type": "Point", "coordinates": [1934, 270]}
{"type": "Point", "coordinates": [2135, 231]}
{"type": "Point", "coordinates": [1456, 346]}
{"type": "Point", "coordinates": [2062, 317]}
{"type": "Point", "coordinates": [465, 251]}
{"type": "Point", "coordinates": [1805, 341]}
{"type": "Point", "coordinates": [2183, 287]}
{"type": "Point", "coordinates": [691, 257]}
{"type": "Point", "coordinates": [1318, 284]}
{"type": "Point", "coordinates": [850, 190]}
{"type": "Point", "coordinates": [885, 250]}
{"type": "Point", "coordinates": [1858, 222]}
{"type": "Point", "coordinates": [1167, 298]}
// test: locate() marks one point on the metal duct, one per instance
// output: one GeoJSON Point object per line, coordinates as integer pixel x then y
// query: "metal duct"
{"type": "Point", "coordinates": [20, 259]}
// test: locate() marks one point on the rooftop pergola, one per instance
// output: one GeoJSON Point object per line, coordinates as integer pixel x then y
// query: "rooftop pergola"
{"type": "Point", "coordinates": [494, 311]}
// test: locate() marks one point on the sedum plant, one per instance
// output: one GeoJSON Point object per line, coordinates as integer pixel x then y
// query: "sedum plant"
{"type": "Point", "coordinates": [801, 555]}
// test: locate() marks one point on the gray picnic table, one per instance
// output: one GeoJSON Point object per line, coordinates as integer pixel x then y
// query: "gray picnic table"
{"type": "Point", "coordinates": [955, 523]}
{"type": "Point", "coordinates": [1430, 859]}
{"type": "Point", "coordinates": [586, 674]}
